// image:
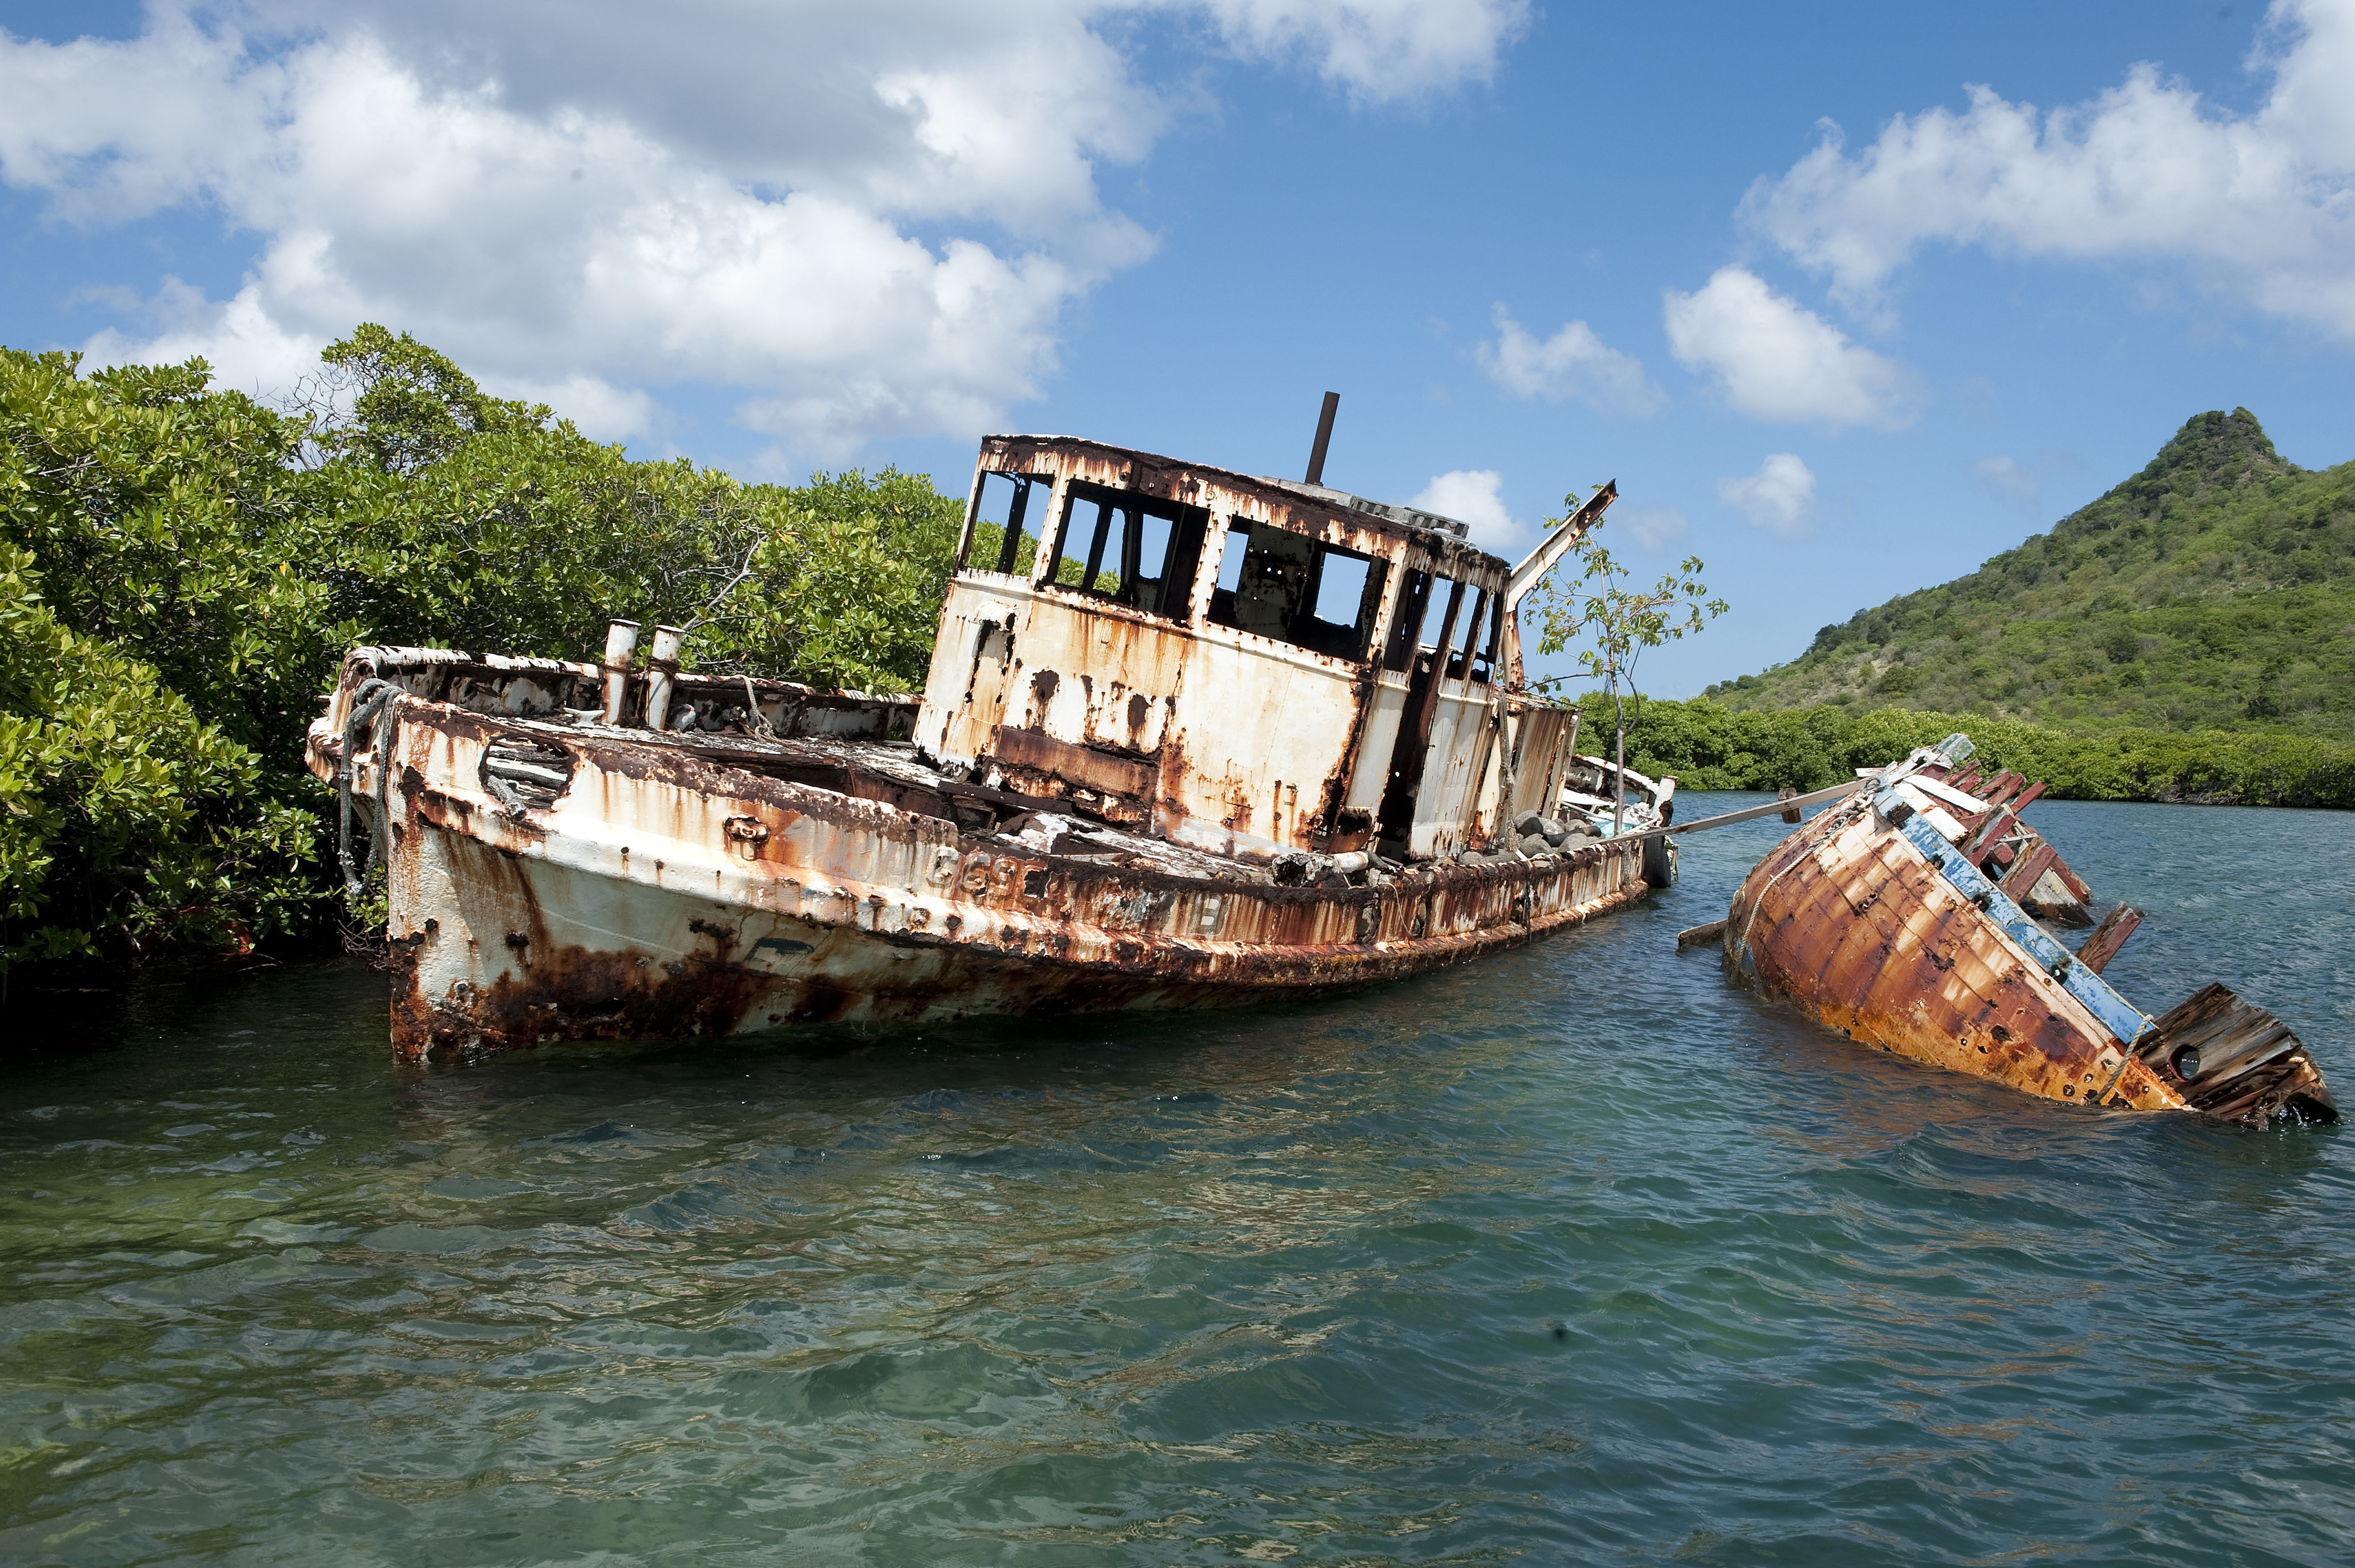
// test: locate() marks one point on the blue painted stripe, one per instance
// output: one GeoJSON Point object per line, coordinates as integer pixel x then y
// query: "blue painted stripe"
{"type": "Point", "coordinates": [2120, 1017]}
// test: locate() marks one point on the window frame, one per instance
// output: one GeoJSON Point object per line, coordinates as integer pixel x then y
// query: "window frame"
{"type": "Point", "coordinates": [1350, 644]}
{"type": "Point", "coordinates": [1017, 511]}
{"type": "Point", "coordinates": [1181, 562]}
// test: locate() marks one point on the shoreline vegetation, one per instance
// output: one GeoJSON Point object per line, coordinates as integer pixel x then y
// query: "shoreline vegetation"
{"type": "Point", "coordinates": [182, 569]}
{"type": "Point", "coordinates": [1705, 744]}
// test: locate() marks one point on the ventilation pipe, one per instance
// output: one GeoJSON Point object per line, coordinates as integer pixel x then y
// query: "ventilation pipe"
{"type": "Point", "coordinates": [620, 642]}
{"type": "Point", "coordinates": [662, 675]}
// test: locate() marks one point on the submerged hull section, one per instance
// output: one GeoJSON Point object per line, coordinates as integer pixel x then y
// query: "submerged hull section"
{"type": "Point", "coordinates": [1887, 932]}
{"type": "Point", "coordinates": [551, 881]}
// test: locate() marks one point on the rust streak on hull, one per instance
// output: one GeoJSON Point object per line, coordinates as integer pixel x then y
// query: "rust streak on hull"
{"type": "Point", "coordinates": [671, 892]}
{"type": "Point", "coordinates": [1162, 782]}
{"type": "Point", "coordinates": [1894, 940]}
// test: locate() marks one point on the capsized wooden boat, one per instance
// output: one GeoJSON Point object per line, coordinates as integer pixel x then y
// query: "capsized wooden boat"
{"type": "Point", "coordinates": [1189, 738]}
{"type": "Point", "coordinates": [1905, 918]}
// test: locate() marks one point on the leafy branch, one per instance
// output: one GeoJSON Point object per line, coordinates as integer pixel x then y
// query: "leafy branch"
{"type": "Point", "coordinates": [1587, 602]}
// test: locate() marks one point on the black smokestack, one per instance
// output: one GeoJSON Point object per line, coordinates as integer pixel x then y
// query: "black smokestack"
{"type": "Point", "coordinates": [1323, 439]}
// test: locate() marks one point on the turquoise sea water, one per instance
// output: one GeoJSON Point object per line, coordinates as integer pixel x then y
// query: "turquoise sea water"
{"type": "Point", "coordinates": [1574, 1255]}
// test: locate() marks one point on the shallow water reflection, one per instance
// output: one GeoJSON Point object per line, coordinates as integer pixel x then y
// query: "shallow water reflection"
{"type": "Point", "coordinates": [1575, 1254]}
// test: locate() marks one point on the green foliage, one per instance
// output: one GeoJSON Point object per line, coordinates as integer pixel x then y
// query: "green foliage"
{"type": "Point", "coordinates": [1706, 744]}
{"type": "Point", "coordinates": [182, 568]}
{"type": "Point", "coordinates": [469, 522]}
{"type": "Point", "coordinates": [1594, 606]}
{"type": "Point", "coordinates": [410, 408]}
{"type": "Point", "coordinates": [848, 583]}
{"type": "Point", "coordinates": [162, 647]}
{"type": "Point", "coordinates": [122, 814]}
{"type": "Point", "coordinates": [168, 521]}
{"type": "Point", "coordinates": [2213, 589]}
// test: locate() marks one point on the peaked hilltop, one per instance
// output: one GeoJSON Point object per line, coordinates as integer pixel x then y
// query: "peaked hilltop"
{"type": "Point", "coordinates": [2215, 589]}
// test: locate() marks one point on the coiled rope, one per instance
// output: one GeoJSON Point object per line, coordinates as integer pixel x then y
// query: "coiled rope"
{"type": "Point", "coordinates": [368, 705]}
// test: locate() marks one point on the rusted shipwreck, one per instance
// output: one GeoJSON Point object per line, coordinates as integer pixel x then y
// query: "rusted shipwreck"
{"type": "Point", "coordinates": [1907, 918]}
{"type": "Point", "coordinates": [1187, 738]}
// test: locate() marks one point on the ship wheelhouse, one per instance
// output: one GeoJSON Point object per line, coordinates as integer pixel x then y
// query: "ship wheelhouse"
{"type": "Point", "coordinates": [1251, 666]}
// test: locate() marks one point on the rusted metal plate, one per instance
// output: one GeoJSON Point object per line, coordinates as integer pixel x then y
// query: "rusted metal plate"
{"type": "Point", "coordinates": [2030, 866]}
{"type": "Point", "coordinates": [1849, 921]}
{"type": "Point", "coordinates": [1061, 768]}
{"type": "Point", "coordinates": [1541, 740]}
{"type": "Point", "coordinates": [1701, 936]}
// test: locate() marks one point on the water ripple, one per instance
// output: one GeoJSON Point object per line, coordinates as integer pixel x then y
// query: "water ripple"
{"type": "Point", "coordinates": [1573, 1256]}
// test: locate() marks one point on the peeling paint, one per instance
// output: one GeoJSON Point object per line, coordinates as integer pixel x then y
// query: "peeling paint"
{"type": "Point", "coordinates": [1877, 924]}
{"type": "Point", "coordinates": [696, 884]}
{"type": "Point", "coordinates": [1172, 792]}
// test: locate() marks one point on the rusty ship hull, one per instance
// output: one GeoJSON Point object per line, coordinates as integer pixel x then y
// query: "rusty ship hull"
{"type": "Point", "coordinates": [1892, 918]}
{"type": "Point", "coordinates": [552, 877]}
{"type": "Point", "coordinates": [1189, 738]}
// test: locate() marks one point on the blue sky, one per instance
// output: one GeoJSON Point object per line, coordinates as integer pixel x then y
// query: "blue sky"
{"type": "Point", "coordinates": [1847, 297]}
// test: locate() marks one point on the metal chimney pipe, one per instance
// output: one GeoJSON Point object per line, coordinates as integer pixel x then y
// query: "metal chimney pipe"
{"type": "Point", "coordinates": [620, 642]}
{"type": "Point", "coordinates": [662, 674]}
{"type": "Point", "coordinates": [1323, 438]}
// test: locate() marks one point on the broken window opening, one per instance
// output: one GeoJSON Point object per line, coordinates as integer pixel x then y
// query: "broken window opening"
{"type": "Point", "coordinates": [1341, 587]}
{"type": "Point", "coordinates": [1231, 550]}
{"type": "Point", "coordinates": [1483, 664]}
{"type": "Point", "coordinates": [1406, 621]}
{"type": "Point", "coordinates": [1297, 590]}
{"type": "Point", "coordinates": [1133, 550]}
{"type": "Point", "coordinates": [1459, 659]}
{"type": "Point", "coordinates": [1440, 612]}
{"type": "Point", "coordinates": [1010, 513]}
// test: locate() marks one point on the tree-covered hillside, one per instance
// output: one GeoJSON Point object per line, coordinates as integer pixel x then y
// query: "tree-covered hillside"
{"type": "Point", "coordinates": [2216, 587]}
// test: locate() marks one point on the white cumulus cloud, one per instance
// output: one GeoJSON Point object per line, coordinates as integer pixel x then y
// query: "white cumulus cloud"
{"type": "Point", "coordinates": [1654, 528]}
{"type": "Point", "coordinates": [865, 220]}
{"type": "Point", "coordinates": [1573, 363]}
{"type": "Point", "coordinates": [2007, 482]}
{"type": "Point", "coordinates": [1474, 498]}
{"type": "Point", "coordinates": [1774, 359]}
{"type": "Point", "coordinates": [2261, 204]}
{"type": "Point", "coordinates": [1780, 497]}
{"type": "Point", "coordinates": [1378, 49]}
